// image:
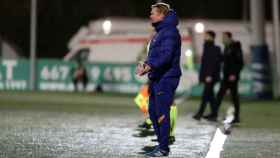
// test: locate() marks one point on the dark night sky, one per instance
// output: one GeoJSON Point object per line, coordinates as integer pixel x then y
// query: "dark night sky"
{"type": "Point", "coordinates": [59, 19]}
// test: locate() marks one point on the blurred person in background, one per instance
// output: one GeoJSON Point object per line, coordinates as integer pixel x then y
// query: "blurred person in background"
{"type": "Point", "coordinates": [209, 74]}
{"type": "Point", "coordinates": [80, 77]}
{"type": "Point", "coordinates": [142, 98]}
{"type": "Point", "coordinates": [232, 66]}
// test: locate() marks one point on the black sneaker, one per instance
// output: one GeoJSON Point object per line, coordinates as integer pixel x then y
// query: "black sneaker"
{"type": "Point", "coordinates": [171, 140]}
{"type": "Point", "coordinates": [157, 153]}
{"type": "Point", "coordinates": [208, 116]}
{"type": "Point", "coordinates": [197, 117]}
{"type": "Point", "coordinates": [145, 125]}
{"type": "Point", "coordinates": [211, 118]}
{"type": "Point", "coordinates": [149, 149]}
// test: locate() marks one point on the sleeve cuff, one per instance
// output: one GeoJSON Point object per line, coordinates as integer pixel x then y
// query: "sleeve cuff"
{"type": "Point", "coordinates": [150, 64]}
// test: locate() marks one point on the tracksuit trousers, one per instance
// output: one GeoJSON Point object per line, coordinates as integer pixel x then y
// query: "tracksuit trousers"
{"type": "Point", "coordinates": [160, 100]}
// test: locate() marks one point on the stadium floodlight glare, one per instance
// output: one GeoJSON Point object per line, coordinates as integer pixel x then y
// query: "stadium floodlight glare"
{"type": "Point", "coordinates": [188, 53]}
{"type": "Point", "coordinates": [199, 27]}
{"type": "Point", "coordinates": [107, 26]}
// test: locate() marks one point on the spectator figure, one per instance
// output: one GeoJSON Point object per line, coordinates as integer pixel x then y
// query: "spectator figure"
{"type": "Point", "coordinates": [80, 77]}
{"type": "Point", "coordinates": [209, 74]}
{"type": "Point", "coordinates": [233, 64]}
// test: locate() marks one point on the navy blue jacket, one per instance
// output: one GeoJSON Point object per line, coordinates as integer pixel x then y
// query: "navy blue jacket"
{"type": "Point", "coordinates": [165, 49]}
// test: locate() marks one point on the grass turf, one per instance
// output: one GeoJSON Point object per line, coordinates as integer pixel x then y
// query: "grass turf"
{"type": "Point", "coordinates": [257, 135]}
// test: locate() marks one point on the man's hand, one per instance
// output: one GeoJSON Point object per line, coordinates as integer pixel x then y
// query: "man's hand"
{"type": "Point", "coordinates": [142, 69]}
{"type": "Point", "coordinates": [139, 68]}
{"type": "Point", "coordinates": [208, 79]}
{"type": "Point", "coordinates": [232, 78]}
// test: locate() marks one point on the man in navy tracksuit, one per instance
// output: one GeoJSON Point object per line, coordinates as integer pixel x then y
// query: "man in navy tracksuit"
{"type": "Point", "coordinates": [163, 68]}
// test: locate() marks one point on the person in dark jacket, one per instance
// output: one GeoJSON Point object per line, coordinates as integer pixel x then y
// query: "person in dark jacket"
{"type": "Point", "coordinates": [80, 75]}
{"type": "Point", "coordinates": [233, 64]}
{"type": "Point", "coordinates": [209, 74]}
{"type": "Point", "coordinates": [164, 72]}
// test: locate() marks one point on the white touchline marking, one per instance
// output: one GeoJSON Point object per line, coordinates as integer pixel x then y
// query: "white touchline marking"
{"type": "Point", "coordinates": [216, 146]}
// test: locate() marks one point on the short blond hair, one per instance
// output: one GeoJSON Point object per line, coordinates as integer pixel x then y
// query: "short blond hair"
{"type": "Point", "coordinates": [163, 8]}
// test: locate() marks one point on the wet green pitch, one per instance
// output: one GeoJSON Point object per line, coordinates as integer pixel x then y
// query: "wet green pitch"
{"type": "Point", "coordinates": [65, 125]}
{"type": "Point", "coordinates": [258, 136]}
